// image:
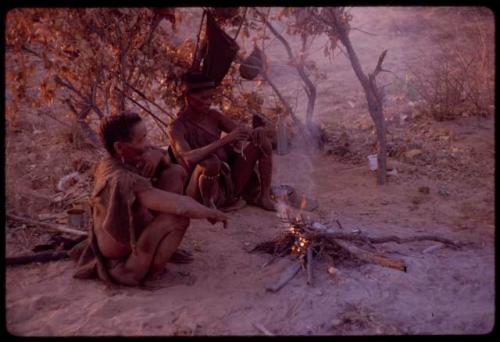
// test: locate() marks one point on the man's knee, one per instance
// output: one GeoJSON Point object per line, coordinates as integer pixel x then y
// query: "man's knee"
{"type": "Point", "coordinates": [210, 166]}
{"type": "Point", "coordinates": [175, 222]}
{"type": "Point", "coordinates": [181, 223]}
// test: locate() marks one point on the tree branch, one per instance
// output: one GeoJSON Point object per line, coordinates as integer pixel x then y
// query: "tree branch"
{"type": "Point", "coordinates": [86, 99]}
{"type": "Point", "coordinates": [378, 68]}
{"type": "Point", "coordinates": [157, 119]}
{"type": "Point", "coordinates": [141, 94]}
{"type": "Point", "coordinates": [241, 24]}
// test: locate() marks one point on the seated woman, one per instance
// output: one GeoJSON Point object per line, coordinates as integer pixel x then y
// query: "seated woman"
{"type": "Point", "coordinates": [219, 176]}
{"type": "Point", "coordinates": [137, 223]}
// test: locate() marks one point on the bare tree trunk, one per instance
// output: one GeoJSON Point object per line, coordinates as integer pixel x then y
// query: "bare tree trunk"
{"type": "Point", "coordinates": [373, 96]}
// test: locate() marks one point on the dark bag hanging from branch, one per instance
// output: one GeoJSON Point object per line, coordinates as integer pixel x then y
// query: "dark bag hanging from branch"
{"type": "Point", "coordinates": [252, 65]}
{"type": "Point", "coordinates": [221, 51]}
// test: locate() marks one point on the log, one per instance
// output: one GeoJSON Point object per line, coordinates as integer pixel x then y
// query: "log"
{"type": "Point", "coordinates": [373, 257]}
{"type": "Point", "coordinates": [56, 227]}
{"type": "Point", "coordinates": [285, 277]}
{"type": "Point", "coordinates": [37, 257]}
{"type": "Point", "coordinates": [59, 242]}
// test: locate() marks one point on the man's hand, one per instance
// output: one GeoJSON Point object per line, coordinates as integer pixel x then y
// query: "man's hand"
{"type": "Point", "coordinates": [149, 162]}
{"type": "Point", "coordinates": [258, 136]}
{"type": "Point", "coordinates": [217, 216]}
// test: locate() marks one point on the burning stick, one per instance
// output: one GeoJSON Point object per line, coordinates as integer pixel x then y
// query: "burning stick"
{"type": "Point", "coordinates": [309, 265]}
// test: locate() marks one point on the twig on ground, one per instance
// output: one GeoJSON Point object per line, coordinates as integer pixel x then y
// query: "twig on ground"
{"type": "Point", "coordinates": [338, 223]}
{"type": "Point", "coordinates": [285, 277]}
{"type": "Point", "coordinates": [262, 329]}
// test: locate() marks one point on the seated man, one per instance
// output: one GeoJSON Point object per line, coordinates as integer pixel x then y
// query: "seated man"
{"type": "Point", "coordinates": [218, 175]}
{"type": "Point", "coordinates": [137, 223]}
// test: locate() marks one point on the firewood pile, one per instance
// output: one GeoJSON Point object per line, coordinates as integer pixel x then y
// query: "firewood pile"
{"type": "Point", "coordinates": [307, 241]}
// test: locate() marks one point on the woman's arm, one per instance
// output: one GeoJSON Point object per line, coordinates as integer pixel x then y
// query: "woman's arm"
{"type": "Point", "coordinates": [193, 156]}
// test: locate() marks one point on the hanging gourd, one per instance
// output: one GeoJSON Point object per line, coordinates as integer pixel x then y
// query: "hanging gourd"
{"type": "Point", "coordinates": [252, 65]}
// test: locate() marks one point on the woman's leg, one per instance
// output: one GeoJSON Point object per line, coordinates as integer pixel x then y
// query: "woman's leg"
{"type": "Point", "coordinates": [242, 168]}
{"type": "Point", "coordinates": [204, 183]}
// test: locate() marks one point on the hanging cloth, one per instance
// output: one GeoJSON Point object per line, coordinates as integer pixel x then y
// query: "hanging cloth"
{"type": "Point", "coordinates": [221, 51]}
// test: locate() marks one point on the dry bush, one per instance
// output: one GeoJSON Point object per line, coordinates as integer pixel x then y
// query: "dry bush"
{"type": "Point", "coordinates": [460, 82]}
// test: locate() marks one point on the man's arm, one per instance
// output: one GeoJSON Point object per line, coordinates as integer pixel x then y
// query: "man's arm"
{"type": "Point", "coordinates": [171, 203]}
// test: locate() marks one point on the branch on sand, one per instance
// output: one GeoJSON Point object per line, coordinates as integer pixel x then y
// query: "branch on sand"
{"type": "Point", "coordinates": [51, 226]}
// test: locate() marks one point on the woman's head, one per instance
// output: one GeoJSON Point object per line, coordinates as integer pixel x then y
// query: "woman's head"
{"type": "Point", "coordinates": [198, 91]}
{"type": "Point", "coordinates": [123, 135]}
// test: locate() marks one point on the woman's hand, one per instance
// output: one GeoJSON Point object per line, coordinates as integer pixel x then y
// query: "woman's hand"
{"type": "Point", "coordinates": [259, 136]}
{"type": "Point", "coordinates": [238, 134]}
{"type": "Point", "coordinates": [150, 160]}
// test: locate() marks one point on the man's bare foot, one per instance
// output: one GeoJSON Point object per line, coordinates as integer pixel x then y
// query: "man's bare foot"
{"type": "Point", "coordinates": [266, 203]}
{"type": "Point", "coordinates": [235, 206]}
{"type": "Point", "coordinates": [166, 278]}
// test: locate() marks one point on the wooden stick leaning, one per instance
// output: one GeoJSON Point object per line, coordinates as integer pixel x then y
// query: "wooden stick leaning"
{"type": "Point", "coordinates": [56, 227]}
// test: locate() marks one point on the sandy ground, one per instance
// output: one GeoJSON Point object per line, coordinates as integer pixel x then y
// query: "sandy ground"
{"type": "Point", "coordinates": [222, 292]}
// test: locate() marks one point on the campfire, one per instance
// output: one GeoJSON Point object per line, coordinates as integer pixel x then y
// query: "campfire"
{"type": "Point", "coordinates": [306, 241]}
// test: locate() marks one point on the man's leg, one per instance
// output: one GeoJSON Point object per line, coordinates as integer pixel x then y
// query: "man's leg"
{"type": "Point", "coordinates": [157, 242]}
{"type": "Point", "coordinates": [204, 183]}
{"type": "Point", "coordinates": [171, 179]}
{"type": "Point", "coordinates": [159, 239]}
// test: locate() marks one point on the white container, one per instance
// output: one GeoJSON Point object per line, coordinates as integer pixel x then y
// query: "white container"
{"type": "Point", "coordinates": [372, 162]}
{"type": "Point", "coordinates": [76, 218]}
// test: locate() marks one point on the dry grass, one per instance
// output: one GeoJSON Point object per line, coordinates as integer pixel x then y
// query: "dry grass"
{"type": "Point", "coordinates": [460, 82]}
